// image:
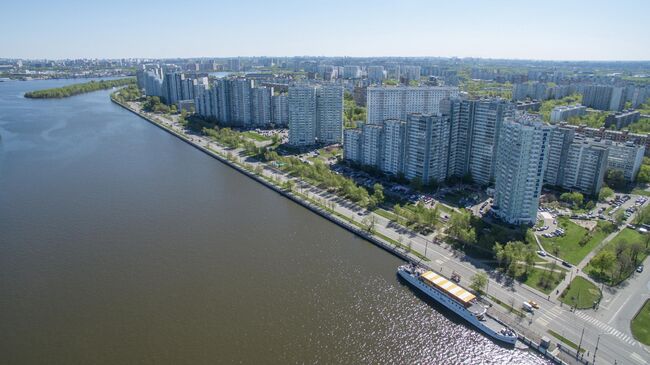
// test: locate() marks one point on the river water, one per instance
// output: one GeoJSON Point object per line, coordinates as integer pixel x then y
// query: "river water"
{"type": "Point", "coordinates": [121, 244]}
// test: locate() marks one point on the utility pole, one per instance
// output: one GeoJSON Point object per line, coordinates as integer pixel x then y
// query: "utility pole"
{"type": "Point", "coordinates": [580, 344]}
{"type": "Point", "coordinates": [426, 246]}
{"type": "Point", "coordinates": [593, 361]}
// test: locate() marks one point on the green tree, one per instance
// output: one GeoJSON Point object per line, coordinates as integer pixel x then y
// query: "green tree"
{"type": "Point", "coordinates": [478, 282]}
{"type": "Point", "coordinates": [378, 193]}
{"type": "Point", "coordinates": [615, 178]}
{"type": "Point", "coordinates": [460, 227]}
{"type": "Point", "coordinates": [603, 261]}
{"type": "Point", "coordinates": [605, 193]}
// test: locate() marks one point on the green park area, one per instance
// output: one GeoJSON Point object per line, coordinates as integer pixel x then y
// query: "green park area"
{"type": "Point", "coordinates": [619, 258]}
{"type": "Point", "coordinates": [577, 241]}
{"type": "Point", "coordinates": [641, 324]}
{"type": "Point", "coordinates": [581, 293]}
{"type": "Point", "coordinates": [256, 136]}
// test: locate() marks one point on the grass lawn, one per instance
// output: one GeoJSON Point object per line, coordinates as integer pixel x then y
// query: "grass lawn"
{"type": "Point", "coordinates": [256, 136]}
{"type": "Point", "coordinates": [641, 192]}
{"type": "Point", "coordinates": [628, 235]}
{"type": "Point", "coordinates": [386, 214]}
{"type": "Point", "coordinates": [581, 293]}
{"type": "Point", "coordinates": [568, 246]}
{"type": "Point", "coordinates": [566, 341]}
{"type": "Point", "coordinates": [544, 280]}
{"type": "Point", "coordinates": [641, 324]}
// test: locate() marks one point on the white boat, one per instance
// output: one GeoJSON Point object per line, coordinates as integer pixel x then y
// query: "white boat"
{"type": "Point", "coordinates": [458, 300]}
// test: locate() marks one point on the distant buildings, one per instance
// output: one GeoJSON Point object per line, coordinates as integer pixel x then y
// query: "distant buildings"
{"type": "Point", "coordinates": [521, 159]}
{"type": "Point", "coordinates": [239, 102]}
{"type": "Point", "coordinates": [388, 102]}
{"type": "Point", "coordinates": [376, 75]}
{"type": "Point", "coordinates": [351, 72]}
{"type": "Point", "coordinates": [604, 97]}
{"type": "Point", "coordinates": [622, 119]}
{"type": "Point", "coordinates": [315, 114]}
{"type": "Point", "coordinates": [562, 113]}
{"type": "Point", "coordinates": [409, 73]}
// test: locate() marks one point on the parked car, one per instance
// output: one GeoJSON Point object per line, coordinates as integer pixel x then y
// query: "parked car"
{"type": "Point", "coordinates": [639, 269]}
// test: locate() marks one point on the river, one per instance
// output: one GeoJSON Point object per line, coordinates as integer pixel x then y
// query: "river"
{"type": "Point", "coordinates": [121, 244]}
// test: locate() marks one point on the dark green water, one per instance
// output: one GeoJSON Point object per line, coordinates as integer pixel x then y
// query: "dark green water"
{"type": "Point", "coordinates": [120, 244]}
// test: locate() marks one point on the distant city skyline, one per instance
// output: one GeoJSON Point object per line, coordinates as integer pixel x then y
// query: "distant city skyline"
{"type": "Point", "coordinates": [503, 29]}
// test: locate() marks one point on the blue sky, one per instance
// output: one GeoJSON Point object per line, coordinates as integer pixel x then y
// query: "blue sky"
{"type": "Point", "coordinates": [550, 29]}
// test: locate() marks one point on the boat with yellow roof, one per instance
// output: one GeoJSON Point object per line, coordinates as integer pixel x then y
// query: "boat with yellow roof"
{"type": "Point", "coordinates": [457, 299]}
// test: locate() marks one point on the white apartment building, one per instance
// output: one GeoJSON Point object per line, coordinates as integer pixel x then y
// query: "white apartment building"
{"type": "Point", "coordinates": [394, 147]}
{"type": "Point", "coordinates": [396, 102]}
{"type": "Point", "coordinates": [626, 157]}
{"type": "Point", "coordinates": [564, 112]}
{"type": "Point", "coordinates": [521, 160]}
{"type": "Point", "coordinates": [315, 114]}
{"type": "Point", "coordinates": [427, 145]}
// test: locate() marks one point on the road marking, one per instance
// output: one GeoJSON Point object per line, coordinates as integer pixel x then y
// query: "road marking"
{"type": "Point", "coordinates": [638, 358]}
{"type": "Point", "coordinates": [542, 322]}
{"type": "Point", "coordinates": [619, 309]}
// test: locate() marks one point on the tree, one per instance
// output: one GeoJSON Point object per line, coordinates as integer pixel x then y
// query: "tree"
{"type": "Point", "coordinates": [605, 193]}
{"type": "Point", "coordinates": [643, 176]}
{"type": "Point", "coordinates": [603, 261]}
{"type": "Point", "coordinates": [478, 282]}
{"type": "Point", "coordinates": [619, 217]}
{"type": "Point", "coordinates": [615, 178]}
{"type": "Point", "coordinates": [378, 193]}
{"type": "Point", "coordinates": [460, 227]}
{"type": "Point", "coordinates": [575, 198]}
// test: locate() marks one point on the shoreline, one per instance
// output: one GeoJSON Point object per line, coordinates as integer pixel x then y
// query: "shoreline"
{"type": "Point", "coordinates": [370, 237]}
{"type": "Point", "coordinates": [287, 194]}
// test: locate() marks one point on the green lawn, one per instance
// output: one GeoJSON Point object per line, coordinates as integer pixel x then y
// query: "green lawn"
{"type": "Point", "coordinates": [581, 293]}
{"type": "Point", "coordinates": [544, 280]}
{"type": "Point", "coordinates": [641, 192]}
{"type": "Point", "coordinates": [641, 324]}
{"type": "Point", "coordinates": [256, 136]}
{"type": "Point", "coordinates": [386, 214]}
{"type": "Point", "coordinates": [611, 276]}
{"type": "Point", "coordinates": [568, 246]}
{"type": "Point", "coordinates": [566, 341]}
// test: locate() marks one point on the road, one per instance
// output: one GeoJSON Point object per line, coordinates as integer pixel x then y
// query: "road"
{"type": "Point", "coordinates": [613, 343]}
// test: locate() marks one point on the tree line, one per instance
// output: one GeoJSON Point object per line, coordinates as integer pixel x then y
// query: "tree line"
{"type": "Point", "coordinates": [75, 89]}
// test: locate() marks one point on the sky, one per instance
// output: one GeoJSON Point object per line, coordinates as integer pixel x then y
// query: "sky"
{"type": "Point", "coordinates": [548, 29]}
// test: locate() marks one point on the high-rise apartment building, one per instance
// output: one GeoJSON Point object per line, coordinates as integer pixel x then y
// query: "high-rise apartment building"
{"type": "Point", "coordinates": [585, 165]}
{"type": "Point", "coordinates": [371, 145]}
{"type": "Point", "coordinates": [486, 117]}
{"type": "Point", "coordinates": [626, 157]}
{"type": "Point", "coordinates": [280, 107]}
{"type": "Point", "coordinates": [427, 145]}
{"type": "Point", "coordinates": [521, 159]}
{"type": "Point", "coordinates": [394, 145]}
{"type": "Point", "coordinates": [315, 114]}
{"type": "Point", "coordinates": [376, 75]}
{"type": "Point", "coordinates": [389, 102]}
{"type": "Point", "coordinates": [329, 109]}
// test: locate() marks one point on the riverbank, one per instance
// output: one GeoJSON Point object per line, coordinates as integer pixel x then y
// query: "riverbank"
{"type": "Point", "coordinates": [300, 196]}
{"type": "Point", "coordinates": [76, 89]}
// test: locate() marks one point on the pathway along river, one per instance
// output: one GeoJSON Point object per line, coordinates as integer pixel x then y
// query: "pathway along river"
{"type": "Point", "coordinates": [121, 244]}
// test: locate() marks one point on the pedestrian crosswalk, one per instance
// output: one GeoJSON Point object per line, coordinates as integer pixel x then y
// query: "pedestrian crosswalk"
{"type": "Point", "coordinates": [548, 316]}
{"type": "Point", "coordinates": [552, 314]}
{"type": "Point", "coordinates": [606, 328]}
